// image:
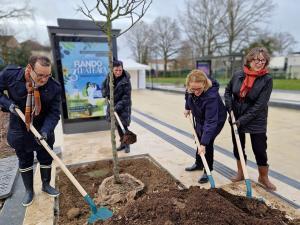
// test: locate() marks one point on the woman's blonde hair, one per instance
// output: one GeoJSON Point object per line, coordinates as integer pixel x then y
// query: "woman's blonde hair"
{"type": "Point", "coordinates": [198, 76]}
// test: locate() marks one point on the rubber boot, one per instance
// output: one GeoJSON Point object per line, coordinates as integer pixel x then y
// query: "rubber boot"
{"type": "Point", "coordinates": [239, 176]}
{"type": "Point", "coordinates": [264, 179]}
{"type": "Point", "coordinates": [46, 177]}
{"type": "Point", "coordinates": [27, 177]}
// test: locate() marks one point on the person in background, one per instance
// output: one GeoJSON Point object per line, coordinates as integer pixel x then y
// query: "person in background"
{"type": "Point", "coordinates": [122, 99]}
{"type": "Point", "coordinates": [203, 100]}
{"type": "Point", "coordinates": [247, 95]}
{"type": "Point", "coordinates": [38, 96]}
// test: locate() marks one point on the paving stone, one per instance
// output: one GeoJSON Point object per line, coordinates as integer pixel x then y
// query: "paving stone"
{"type": "Point", "coordinates": [8, 172]}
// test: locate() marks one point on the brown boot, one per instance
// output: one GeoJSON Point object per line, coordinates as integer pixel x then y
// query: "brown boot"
{"type": "Point", "coordinates": [264, 179]}
{"type": "Point", "coordinates": [239, 176]}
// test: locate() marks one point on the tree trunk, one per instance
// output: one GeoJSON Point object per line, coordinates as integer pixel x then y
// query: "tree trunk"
{"type": "Point", "coordinates": [112, 104]}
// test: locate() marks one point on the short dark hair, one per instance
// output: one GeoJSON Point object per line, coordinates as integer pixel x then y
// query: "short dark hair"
{"type": "Point", "coordinates": [117, 63]}
{"type": "Point", "coordinates": [43, 60]}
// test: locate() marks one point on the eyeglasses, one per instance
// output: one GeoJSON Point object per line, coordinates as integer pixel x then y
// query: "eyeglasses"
{"type": "Point", "coordinates": [262, 61]}
{"type": "Point", "coordinates": [193, 90]}
{"type": "Point", "coordinates": [40, 76]}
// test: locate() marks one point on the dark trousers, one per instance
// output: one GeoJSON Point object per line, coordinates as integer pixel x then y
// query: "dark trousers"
{"type": "Point", "coordinates": [120, 132]}
{"type": "Point", "coordinates": [259, 147]}
{"type": "Point", "coordinates": [26, 158]}
{"type": "Point", "coordinates": [209, 149]}
{"type": "Point", "coordinates": [209, 155]}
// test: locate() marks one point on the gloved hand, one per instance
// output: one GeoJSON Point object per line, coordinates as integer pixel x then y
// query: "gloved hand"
{"type": "Point", "coordinates": [12, 109]}
{"type": "Point", "coordinates": [43, 137]}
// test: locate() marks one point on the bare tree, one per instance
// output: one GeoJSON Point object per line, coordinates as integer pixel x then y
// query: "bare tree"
{"type": "Point", "coordinates": [201, 21]}
{"type": "Point", "coordinates": [185, 58]}
{"type": "Point", "coordinates": [9, 9]}
{"type": "Point", "coordinates": [165, 38]}
{"type": "Point", "coordinates": [242, 20]}
{"type": "Point", "coordinates": [112, 11]}
{"type": "Point", "coordinates": [285, 42]}
{"type": "Point", "coordinates": [138, 41]}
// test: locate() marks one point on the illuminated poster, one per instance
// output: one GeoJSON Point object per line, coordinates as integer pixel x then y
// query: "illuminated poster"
{"type": "Point", "coordinates": [85, 66]}
{"type": "Point", "coordinates": [205, 66]}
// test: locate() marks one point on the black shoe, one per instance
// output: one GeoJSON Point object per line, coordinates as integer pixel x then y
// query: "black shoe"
{"type": "Point", "coordinates": [127, 148]}
{"type": "Point", "coordinates": [203, 179]}
{"type": "Point", "coordinates": [194, 167]}
{"type": "Point", "coordinates": [121, 147]}
{"type": "Point", "coordinates": [46, 177]}
{"type": "Point", "coordinates": [27, 177]}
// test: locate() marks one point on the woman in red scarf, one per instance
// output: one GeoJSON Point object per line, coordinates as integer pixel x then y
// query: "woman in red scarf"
{"type": "Point", "coordinates": [247, 95]}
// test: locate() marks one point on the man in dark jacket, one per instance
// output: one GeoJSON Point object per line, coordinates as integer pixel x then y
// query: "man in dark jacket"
{"type": "Point", "coordinates": [37, 95]}
{"type": "Point", "coordinates": [122, 98]}
{"type": "Point", "coordinates": [247, 95]}
{"type": "Point", "coordinates": [203, 99]}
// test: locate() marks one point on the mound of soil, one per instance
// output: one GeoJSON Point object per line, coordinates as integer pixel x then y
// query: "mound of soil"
{"type": "Point", "coordinates": [162, 202]}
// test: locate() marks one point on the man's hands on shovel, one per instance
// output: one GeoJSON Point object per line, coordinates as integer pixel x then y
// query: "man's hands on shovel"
{"type": "Point", "coordinates": [43, 137]}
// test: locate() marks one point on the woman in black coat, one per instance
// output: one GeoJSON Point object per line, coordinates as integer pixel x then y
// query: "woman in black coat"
{"type": "Point", "coordinates": [203, 99]}
{"type": "Point", "coordinates": [122, 98]}
{"type": "Point", "coordinates": [247, 95]}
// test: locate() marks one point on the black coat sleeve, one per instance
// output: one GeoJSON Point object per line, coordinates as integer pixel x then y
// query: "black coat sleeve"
{"type": "Point", "coordinates": [259, 104]}
{"type": "Point", "coordinates": [125, 99]}
{"type": "Point", "coordinates": [228, 95]}
{"type": "Point", "coordinates": [5, 102]}
{"type": "Point", "coordinates": [53, 114]}
{"type": "Point", "coordinates": [105, 87]}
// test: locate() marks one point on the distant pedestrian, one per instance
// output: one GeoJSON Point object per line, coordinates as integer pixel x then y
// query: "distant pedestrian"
{"type": "Point", "coordinates": [247, 95]}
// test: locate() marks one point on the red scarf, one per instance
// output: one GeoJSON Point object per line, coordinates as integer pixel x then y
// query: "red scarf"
{"type": "Point", "coordinates": [33, 101]}
{"type": "Point", "coordinates": [250, 77]}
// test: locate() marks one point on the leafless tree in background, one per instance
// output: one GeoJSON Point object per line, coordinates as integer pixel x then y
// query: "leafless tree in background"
{"type": "Point", "coordinates": [201, 20]}
{"type": "Point", "coordinates": [111, 10]}
{"type": "Point", "coordinates": [9, 9]}
{"type": "Point", "coordinates": [285, 42]}
{"type": "Point", "coordinates": [242, 20]}
{"type": "Point", "coordinates": [138, 39]}
{"type": "Point", "coordinates": [165, 38]}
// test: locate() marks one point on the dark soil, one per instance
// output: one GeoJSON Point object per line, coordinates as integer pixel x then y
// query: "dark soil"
{"type": "Point", "coordinates": [5, 149]}
{"type": "Point", "coordinates": [162, 202]}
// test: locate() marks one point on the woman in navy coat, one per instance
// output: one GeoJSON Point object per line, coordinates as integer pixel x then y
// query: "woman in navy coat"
{"type": "Point", "coordinates": [44, 113]}
{"type": "Point", "coordinates": [203, 100]}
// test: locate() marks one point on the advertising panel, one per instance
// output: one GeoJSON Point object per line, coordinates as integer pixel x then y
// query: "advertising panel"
{"type": "Point", "coordinates": [84, 67]}
{"type": "Point", "coordinates": [205, 66]}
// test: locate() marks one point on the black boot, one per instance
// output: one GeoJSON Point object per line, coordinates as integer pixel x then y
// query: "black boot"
{"type": "Point", "coordinates": [203, 179]}
{"type": "Point", "coordinates": [46, 177]}
{"type": "Point", "coordinates": [127, 148]}
{"type": "Point", "coordinates": [194, 167]}
{"type": "Point", "coordinates": [121, 147]}
{"type": "Point", "coordinates": [27, 177]}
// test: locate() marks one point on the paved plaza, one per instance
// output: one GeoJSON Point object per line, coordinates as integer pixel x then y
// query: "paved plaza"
{"type": "Point", "coordinates": [164, 133]}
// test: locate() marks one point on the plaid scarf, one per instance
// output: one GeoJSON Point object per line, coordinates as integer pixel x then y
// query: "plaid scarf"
{"type": "Point", "coordinates": [249, 80]}
{"type": "Point", "coordinates": [33, 101]}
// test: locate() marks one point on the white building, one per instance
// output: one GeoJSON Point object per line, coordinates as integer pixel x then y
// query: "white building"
{"type": "Point", "coordinates": [137, 72]}
{"type": "Point", "coordinates": [293, 65]}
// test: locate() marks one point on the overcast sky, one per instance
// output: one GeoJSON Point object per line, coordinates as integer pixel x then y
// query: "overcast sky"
{"type": "Point", "coordinates": [285, 18]}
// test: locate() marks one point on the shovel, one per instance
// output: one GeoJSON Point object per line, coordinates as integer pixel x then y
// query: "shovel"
{"type": "Point", "coordinates": [242, 159]}
{"type": "Point", "coordinates": [129, 137]}
{"type": "Point", "coordinates": [210, 178]}
{"type": "Point", "coordinates": [101, 213]}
